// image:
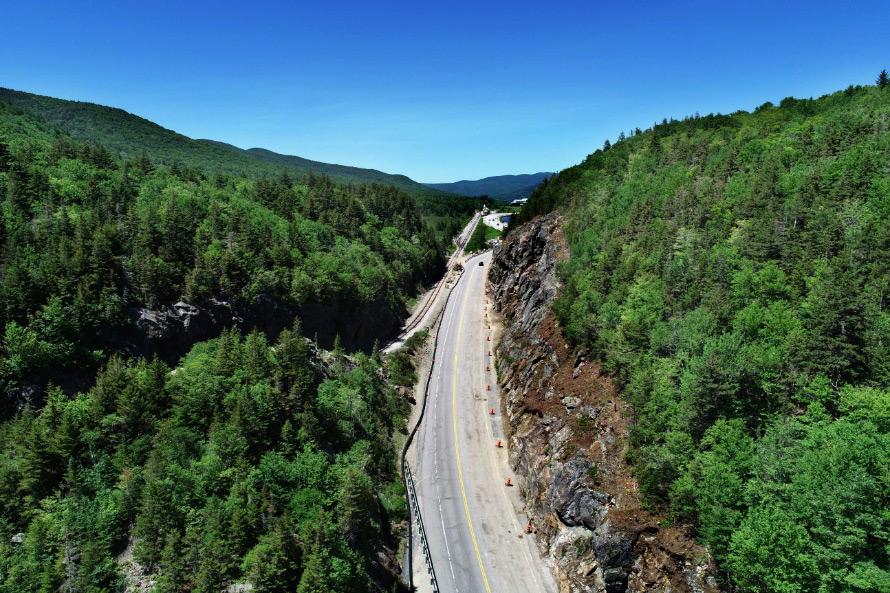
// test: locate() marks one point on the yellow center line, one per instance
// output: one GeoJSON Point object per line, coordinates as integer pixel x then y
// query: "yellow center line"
{"type": "Point", "coordinates": [460, 473]}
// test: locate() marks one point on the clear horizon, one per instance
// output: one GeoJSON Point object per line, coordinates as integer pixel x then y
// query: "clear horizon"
{"type": "Point", "coordinates": [440, 94]}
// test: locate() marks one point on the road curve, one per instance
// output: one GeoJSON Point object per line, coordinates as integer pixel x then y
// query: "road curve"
{"type": "Point", "coordinates": [476, 533]}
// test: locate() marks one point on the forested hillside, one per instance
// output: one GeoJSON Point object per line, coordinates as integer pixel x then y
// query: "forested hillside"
{"type": "Point", "coordinates": [86, 236]}
{"type": "Point", "coordinates": [235, 468]}
{"type": "Point", "coordinates": [732, 272]}
{"type": "Point", "coordinates": [248, 462]}
{"type": "Point", "coordinates": [341, 173]}
{"type": "Point", "coordinates": [129, 136]}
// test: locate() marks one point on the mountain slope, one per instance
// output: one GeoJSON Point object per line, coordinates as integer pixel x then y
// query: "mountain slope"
{"type": "Point", "coordinates": [502, 188]}
{"type": "Point", "coordinates": [516, 194]}
{"type": "Point", "coordinates": [129, 136]}
{"type": "Point", "coordinates": [341, 173]}
{"type": "Point", "coordinates": [730, 272]}
{"type": "Point", "coordinates": [311, 246]}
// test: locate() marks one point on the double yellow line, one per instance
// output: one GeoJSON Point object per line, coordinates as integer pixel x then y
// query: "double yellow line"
{"type": "Point", "coordinates": [460, 472]}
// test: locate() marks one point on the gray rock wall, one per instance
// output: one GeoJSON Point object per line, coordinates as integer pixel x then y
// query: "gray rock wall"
{"type": "Point", "coordinates": [171, 332]}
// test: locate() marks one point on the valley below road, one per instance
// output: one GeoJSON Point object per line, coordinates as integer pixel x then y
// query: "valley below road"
{"type": "Point", "coordinates": [474, 524]}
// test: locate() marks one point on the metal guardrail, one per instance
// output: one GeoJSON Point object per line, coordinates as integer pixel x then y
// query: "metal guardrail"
{"type": "Point", "coordinates": [412, 495]}
{"type": "Point", "coordinates": [407, 478]}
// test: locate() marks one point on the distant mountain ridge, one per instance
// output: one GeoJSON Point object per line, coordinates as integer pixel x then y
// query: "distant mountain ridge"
{"type": "Point", "coordinates": [343, 173]}
{"type": "Point", "coordinates": [130, 135]}
{"type": "Point", "coordinates": [503, 188]}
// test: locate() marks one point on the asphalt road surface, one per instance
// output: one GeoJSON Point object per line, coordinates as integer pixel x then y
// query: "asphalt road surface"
{"type": "Point", "coordinates": [462, 239]}
{"type": "Point", "coordinates": [476, 533]}
{"type": "Point", "coordinates": [494, 220]}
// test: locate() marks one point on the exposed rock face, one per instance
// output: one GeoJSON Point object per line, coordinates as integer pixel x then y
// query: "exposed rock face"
{"type": "Point", "coordinates": [171, 332]}
{"type": "Point", "coordinates": [567, 427]}
{"type": "Point", "coordinates": [358, 327]}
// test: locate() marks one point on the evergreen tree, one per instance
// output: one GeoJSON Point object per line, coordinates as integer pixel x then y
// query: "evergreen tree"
{"type": "Point", "coordinates": [5, 157]}
{"type": "Point", "coordinates": [355, 506]}
{"type": "Point", "coordinates": [294, 375]}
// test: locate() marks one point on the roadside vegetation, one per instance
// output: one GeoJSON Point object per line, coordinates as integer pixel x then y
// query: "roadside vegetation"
{"type": "Point", "coordinates": [402, 370]}
{"type": "Point", "coordinates": [477, 239]}
{"type": "Point", "coordinates": [732, 271]}
{"type": "Point", "coordinates": [491, 233]}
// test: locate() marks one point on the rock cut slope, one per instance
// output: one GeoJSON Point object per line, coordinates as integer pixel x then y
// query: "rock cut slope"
{"type": "Point", "coordinates": [567, 432]}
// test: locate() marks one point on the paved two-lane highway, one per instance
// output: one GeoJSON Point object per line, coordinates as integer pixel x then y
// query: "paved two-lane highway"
{"type": "Point", "coordinates": [476, 535]}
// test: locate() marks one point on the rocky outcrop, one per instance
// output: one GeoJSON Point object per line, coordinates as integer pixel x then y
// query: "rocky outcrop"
{"type": "Point", "coordinates": [358, 326]}
{"type": "Point", "coordinates": [567, 431]}
{"type": "Point", "coordinates": [170, 333]}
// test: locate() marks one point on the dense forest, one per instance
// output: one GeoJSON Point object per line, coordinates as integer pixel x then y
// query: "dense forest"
{"type": "Point", "coordinates": [247, 461]}
{"type": "Point", "coordinates": [238, 467]}
{"type": "Point", "coordinates": [733, 273]}
{"type": "Point", "coordinates": [130, 137]}
{"type": "Point", "coordinates": [86, 236]}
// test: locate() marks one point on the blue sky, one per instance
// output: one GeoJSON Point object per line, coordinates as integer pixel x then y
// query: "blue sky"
{"type": "Point", "coordinates": [439, 91]}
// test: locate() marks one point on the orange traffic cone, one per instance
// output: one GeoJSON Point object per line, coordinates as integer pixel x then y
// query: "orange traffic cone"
{"type": "Point", "coordinates": [488, 388]}
{"type": "Point", "coordinates": [508, 482]}
{"type": "Point", "coordinates": [528, 528]}
{"type": "Point", "coordinates": [486, 368]}
{"type": "Point", "coordinates": [499, 443]}
{"type": "Point", "coordinates": [488, 339]}
{"type": "Point", "coordinates": [489, 352]}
